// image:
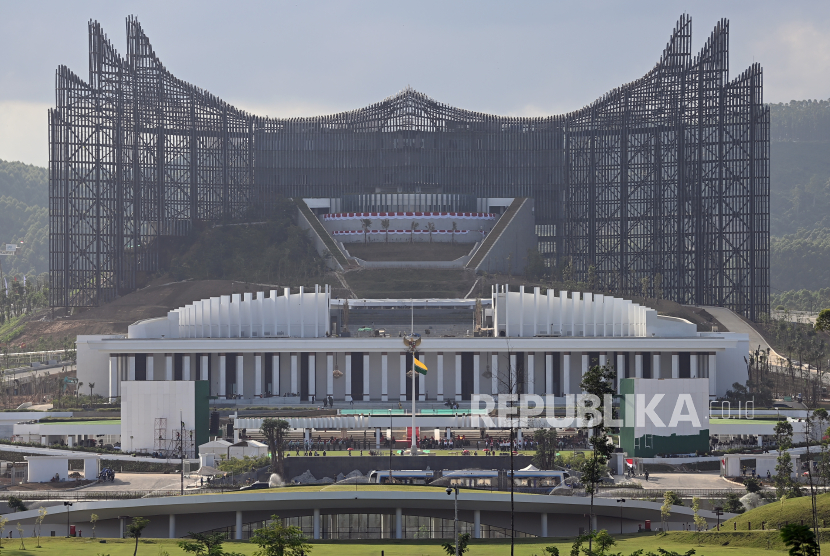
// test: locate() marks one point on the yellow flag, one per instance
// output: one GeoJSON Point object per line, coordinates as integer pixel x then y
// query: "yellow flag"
{"type": "Point", "coordinates": [420, 367]}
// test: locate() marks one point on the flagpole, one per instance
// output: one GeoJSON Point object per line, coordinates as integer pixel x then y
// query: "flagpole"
{"type": "Point", "coordinates": [414, 447]}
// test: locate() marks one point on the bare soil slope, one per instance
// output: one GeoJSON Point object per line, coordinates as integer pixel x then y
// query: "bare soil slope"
{"type": "Point", "coordinates": [152, 301]}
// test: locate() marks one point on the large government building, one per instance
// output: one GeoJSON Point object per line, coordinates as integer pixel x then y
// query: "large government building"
{"type": "Point", "coordinates": [665, 178]}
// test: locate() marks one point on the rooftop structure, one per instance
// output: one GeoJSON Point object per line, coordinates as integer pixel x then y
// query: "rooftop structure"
{"type": "Point", "coordinates": [663, 181]}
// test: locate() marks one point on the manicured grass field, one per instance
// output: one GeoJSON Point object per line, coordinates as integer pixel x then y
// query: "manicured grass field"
{"type": "Point", "coordinates": [711, 544]}
{"type": "Point", "coordinates": [382, 452]}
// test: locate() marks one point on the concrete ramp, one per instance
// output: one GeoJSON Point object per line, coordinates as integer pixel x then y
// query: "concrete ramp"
{"type": "Point", "coordinates": [505, 247]}
{"type": "Point", "coordinates": [320, 237]}
{"type": "Point", "coordinates": [735, 323]}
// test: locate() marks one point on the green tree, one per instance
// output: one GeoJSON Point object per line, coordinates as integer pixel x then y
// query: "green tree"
{"type": "Point", "coordinates": [823, 321]}
{"type": "Point", "coordinates": [665, 510]}
{"type": "Point", "coordinates": [733, 504]}
{"type": "Point", "coordinates": [700, 521]}
{"type": "Point", "coordinates": [800, 539]}
{"type": "Point", "coordinates": [204, 544]}
{"type": "Point", "coordinates": [454, 230]}
{"type": "Point", "coordinates": [385, 225]}
{"type": "Point", "coordinates": [414, 226]}
{"type": "Point", "coordinates": [545, 456]}
{"type": "Point", "coordinates": [463, 541]}
{"type": "Point", "coordinates": [274, 431]}
{"type": "Point", "coordinates": [599, 381]}
{"type": "Point", "coordinates": [430, 229]}
{"type": "Point", "coordinates": [278, 540]}
{"type": "Point", "coordinates": [784, 484]}
{"type": "Point", "coordinates": [16, 504]}
{"type": "Point", "coordinates": [753, 484]}
{"type": "Point", "coordinates": [365, 223]}
{"type": "Point", "coordinates": [135, 528]}
{"type": "Point", "coordinates": [93, 519]}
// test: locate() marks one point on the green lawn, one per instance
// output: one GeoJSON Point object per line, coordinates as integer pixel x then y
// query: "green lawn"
{"type": "Point", "coordinates": [712, 545]}
{"type": "Point", "coordinates": [793, 510]}
{"type": "Point", "coordinates": [356, 453]}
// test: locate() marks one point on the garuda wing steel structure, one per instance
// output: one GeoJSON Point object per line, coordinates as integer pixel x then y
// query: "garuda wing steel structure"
{"type": "Point", "coordinates": [659, 187]}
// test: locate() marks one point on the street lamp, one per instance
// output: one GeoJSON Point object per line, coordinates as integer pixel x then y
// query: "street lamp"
{"type": "Point", "coordinates": [389, 440]}
{"type": "Point", "coordinates": [719, 512]}
{"type": "Point", "coordinates": [67, 504]}
{"type": "Point", "coordinates": [455, 521]}
{"type": "Point", "coordinates": [621, 501]}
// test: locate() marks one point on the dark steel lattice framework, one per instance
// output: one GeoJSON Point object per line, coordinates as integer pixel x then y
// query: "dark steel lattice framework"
{"type": "Point", "coordinates": [662, 183]}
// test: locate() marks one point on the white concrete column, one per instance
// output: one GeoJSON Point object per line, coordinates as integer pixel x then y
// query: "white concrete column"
{"type": "Point", "coordinates": [204, 363]}
{"type": "Point", "coordinates": [312, 376]}
{"type": "Point", "coordinates": [168, 366]}
{"type": "Point", "coordinates": [348, 376]}
{"type": "Point", "coordinates": [275, 375]}
{"type": "Point", "coordinates": [366, 378]}
{"type": "Point", "coordinates": [150, 360]}
{"type": "Point", "coordinates": [514, 375]}
{"type": "Point", "coordinates": [131, 367]}
{"type": "Point", "coordinates": [222, 376]}
{"type": "Point", "coordinates": [566, 373]}
{"type": "Point", "coordinates": [398, 523]}
{"type": "Point", "coordinates": [258, 375]}
{"type": "Point", "coordinates": [713, 374]}
{"type": "Point", "coordinates": [693, 369]}
{"type": "Point", "coordinates": [620, 368]}
{"type": "Point", "coordinates": [171, 526]}
{"type": "Point", "coordinates": [638, 365]}
{"type": "Point", "coordinates": [476, 524]}
{"type": "Point", "coordinates": [186, 366]}
{"type": "Point", "coordinates": [675, 365]}
{"type": "Point", "coordinates": [655, 365]}
{"type": "Point", "coordinates": [238, 535]}
{"type": "Point", "coordinates": [329, 374]}
{"type": "Point", "coordinates": [316, 523]}
{"type": "Point", "coordinates": [377, 438]}
{"type": "Point", "coordinates": [112, 391]}
{"type": "Point", "coordinates": [439, 377]}
{"type": "Point", "coordinates": [603, 359]}
{"type": "Point", "coordinates": [457, 377]}
{"type": "Point", "coordinates": [403, 378]}
{"type": "Point", "coordinates": [530, 373]}
{"type": "Point", "coordinates": [240, 376]}
{"type": "Point", "coordinates": [384, 377]}
{"type": "Point", "coordinates": [494, 371]}
{"type": "Point", "coordinates": [476, 373]}
{"type": "Point", "coordinates": [549, 374]}
{"type": "Point", "coordinates": [586, 363]}
{"type": "Point", "coordinates": [544, 525]}
{"type": "Point", "coordinates": [294, 375]}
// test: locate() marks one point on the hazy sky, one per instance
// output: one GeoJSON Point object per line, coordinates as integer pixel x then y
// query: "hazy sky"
{"type": "Point", "coordinates": [307, 58]}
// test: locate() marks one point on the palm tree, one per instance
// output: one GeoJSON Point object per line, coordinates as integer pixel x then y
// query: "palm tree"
{"type": "Point", "coordinates": [91, 386]}
{"type": "Point", "coordinates": [431, 228]}
{"type": "Point", "coordinates": [366, 223]}
{"type": "Point", "coordinates": [78, 389]}
{"type": "Point", "coordinates": [412, 229]}
{"type": "Point", "coordinates": [385, 225]}
{"type": "Point", "coordinates": [454, 229]}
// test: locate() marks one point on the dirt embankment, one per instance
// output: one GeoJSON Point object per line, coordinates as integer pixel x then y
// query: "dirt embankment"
{"type": "Point", "coordinates": [152, 301]}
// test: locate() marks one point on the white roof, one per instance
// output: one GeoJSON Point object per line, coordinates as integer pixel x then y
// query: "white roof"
{"type": "Point", "coordinates": [216, 444]}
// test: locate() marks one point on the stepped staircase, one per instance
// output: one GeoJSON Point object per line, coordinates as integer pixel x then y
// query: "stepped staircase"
{"type": "Point", "coordinates": [325, 237]}
{"type": "Point", "coordinates": [495, 233]}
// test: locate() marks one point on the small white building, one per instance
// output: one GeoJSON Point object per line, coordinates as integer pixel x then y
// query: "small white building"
{"type": "Point", "coordinates": [69, 433]}
{"type": "Point", "coordinates": [250, 448]}
{"type": "Point", "coordinates": [43, 469]}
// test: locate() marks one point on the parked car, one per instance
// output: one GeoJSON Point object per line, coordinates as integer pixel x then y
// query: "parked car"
{"type": "Point", "coordinates": [256, 486]}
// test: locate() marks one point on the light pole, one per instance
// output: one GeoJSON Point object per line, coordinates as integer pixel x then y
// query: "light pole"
{"type": "Point", "coordinates": [719, 512]}
{"type": "Point", "coordinates": [621, 501]}
{"type": "Point", "coordinates": [67, 504]}
{"type": "Point", "coordinates": [455, 521]}
{"type": "Point", "coordinates": [389, 439]}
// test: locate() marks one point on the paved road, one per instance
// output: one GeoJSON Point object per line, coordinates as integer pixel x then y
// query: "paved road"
{"type": "Point", "coordinates": [71, 453]}
{"type": "Point", "coordinates": [709, 480]}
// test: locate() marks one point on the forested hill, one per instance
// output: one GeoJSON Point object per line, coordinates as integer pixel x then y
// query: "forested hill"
{"type": "Point", "coordinates": [24, 217]}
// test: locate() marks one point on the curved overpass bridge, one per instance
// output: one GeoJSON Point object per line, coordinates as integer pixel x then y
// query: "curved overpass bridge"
{"type": "Point", "coordinates": [176, 516]}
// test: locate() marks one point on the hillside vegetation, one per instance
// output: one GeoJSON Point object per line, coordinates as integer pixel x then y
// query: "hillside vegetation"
{"type": "Point", "coordinates": [24, 218]}
{"type": "Point", "coordinates": [274, 252]}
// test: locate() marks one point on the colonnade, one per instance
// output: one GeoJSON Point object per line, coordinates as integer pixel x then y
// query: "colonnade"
{"type": "Point", "coordinates": [371, 376]}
